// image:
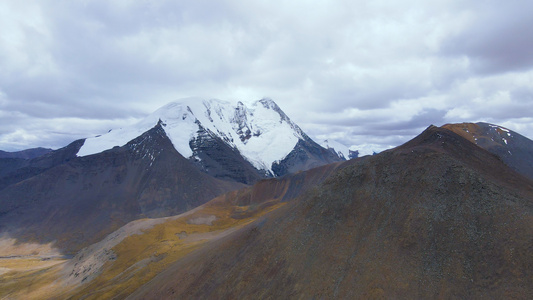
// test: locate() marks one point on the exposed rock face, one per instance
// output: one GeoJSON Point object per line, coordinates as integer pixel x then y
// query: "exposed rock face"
{"type": "Point", "coordinates": [214, 157]}
{"type": "Point", "coordinates": [306, 155]}
{"type": "Point", "coordinates": [79, 201]}
{"type": "Point", "coordinates": [435, 217]}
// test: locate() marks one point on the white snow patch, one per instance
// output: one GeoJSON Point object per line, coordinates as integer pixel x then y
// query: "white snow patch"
{"type": "Point", "coordinates": [271, 139]}
{"type": "Point", "coordinates": [179, 125]}
{"type": "Point", "coordinates": [499, 127]}
{"type": "Point", "coordinates": [179, 128]}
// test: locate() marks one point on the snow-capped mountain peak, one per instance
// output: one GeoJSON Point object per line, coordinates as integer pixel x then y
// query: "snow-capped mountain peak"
{"type": "Point", "coordinates": [261, 132]}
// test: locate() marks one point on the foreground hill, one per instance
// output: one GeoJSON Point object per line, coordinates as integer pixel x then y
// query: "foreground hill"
{"type": "Point", "coordinates": [436, 217]}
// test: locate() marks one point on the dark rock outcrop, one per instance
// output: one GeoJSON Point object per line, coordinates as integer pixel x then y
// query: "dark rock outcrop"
{"type": "Point", "coordinates": [216, 158]}
{"type": "Point", "coordinates": [306, 155]}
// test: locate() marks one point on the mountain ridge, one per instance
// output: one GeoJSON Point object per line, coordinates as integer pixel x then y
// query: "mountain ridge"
{"type": "Point", "coordinates": [25, 154]}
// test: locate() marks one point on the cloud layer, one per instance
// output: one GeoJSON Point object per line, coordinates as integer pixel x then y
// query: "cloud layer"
{"type": "Point", "coordinates": [363, 73]}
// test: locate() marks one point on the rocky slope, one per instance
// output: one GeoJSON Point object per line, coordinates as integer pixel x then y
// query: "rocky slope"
{"type": "Point", "coordinates": [132, 255]}
{"type": "Point", "coordinates": [513, 148]}
{"type": "Point", "coordinates": [437, 217]}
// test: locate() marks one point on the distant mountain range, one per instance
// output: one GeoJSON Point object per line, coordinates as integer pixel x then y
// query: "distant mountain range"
{"type": "Point", "coordinates": [25, 154]}
{"type": "Point", "coordinates": [166, 209]}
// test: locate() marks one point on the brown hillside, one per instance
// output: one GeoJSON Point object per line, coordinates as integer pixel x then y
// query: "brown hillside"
{"type": "Point", "coordinates": [437, 217]}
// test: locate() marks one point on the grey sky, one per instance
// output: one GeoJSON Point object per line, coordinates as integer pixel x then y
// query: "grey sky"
{"type": "Point", "coordinates": [360, 72]}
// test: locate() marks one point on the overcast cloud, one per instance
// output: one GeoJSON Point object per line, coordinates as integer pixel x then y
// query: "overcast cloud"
{"type": "Point", "coordinates": [366, 73]}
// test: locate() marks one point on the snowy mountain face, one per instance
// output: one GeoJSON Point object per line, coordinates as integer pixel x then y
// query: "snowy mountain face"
{"type": "Point", "coordinates": [261, 132]}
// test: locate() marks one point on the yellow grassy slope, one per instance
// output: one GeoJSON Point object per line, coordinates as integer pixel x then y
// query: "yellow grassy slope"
{"type": "Point", "coordinates": [139, 257]}
{"type": "Point", "coordinates": [29, 277]}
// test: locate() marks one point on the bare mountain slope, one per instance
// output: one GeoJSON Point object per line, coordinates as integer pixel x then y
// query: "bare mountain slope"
{"type": "Point", "coordinates": [132, 255]}
{"type": "Point", "coordinates": [436, 217]}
